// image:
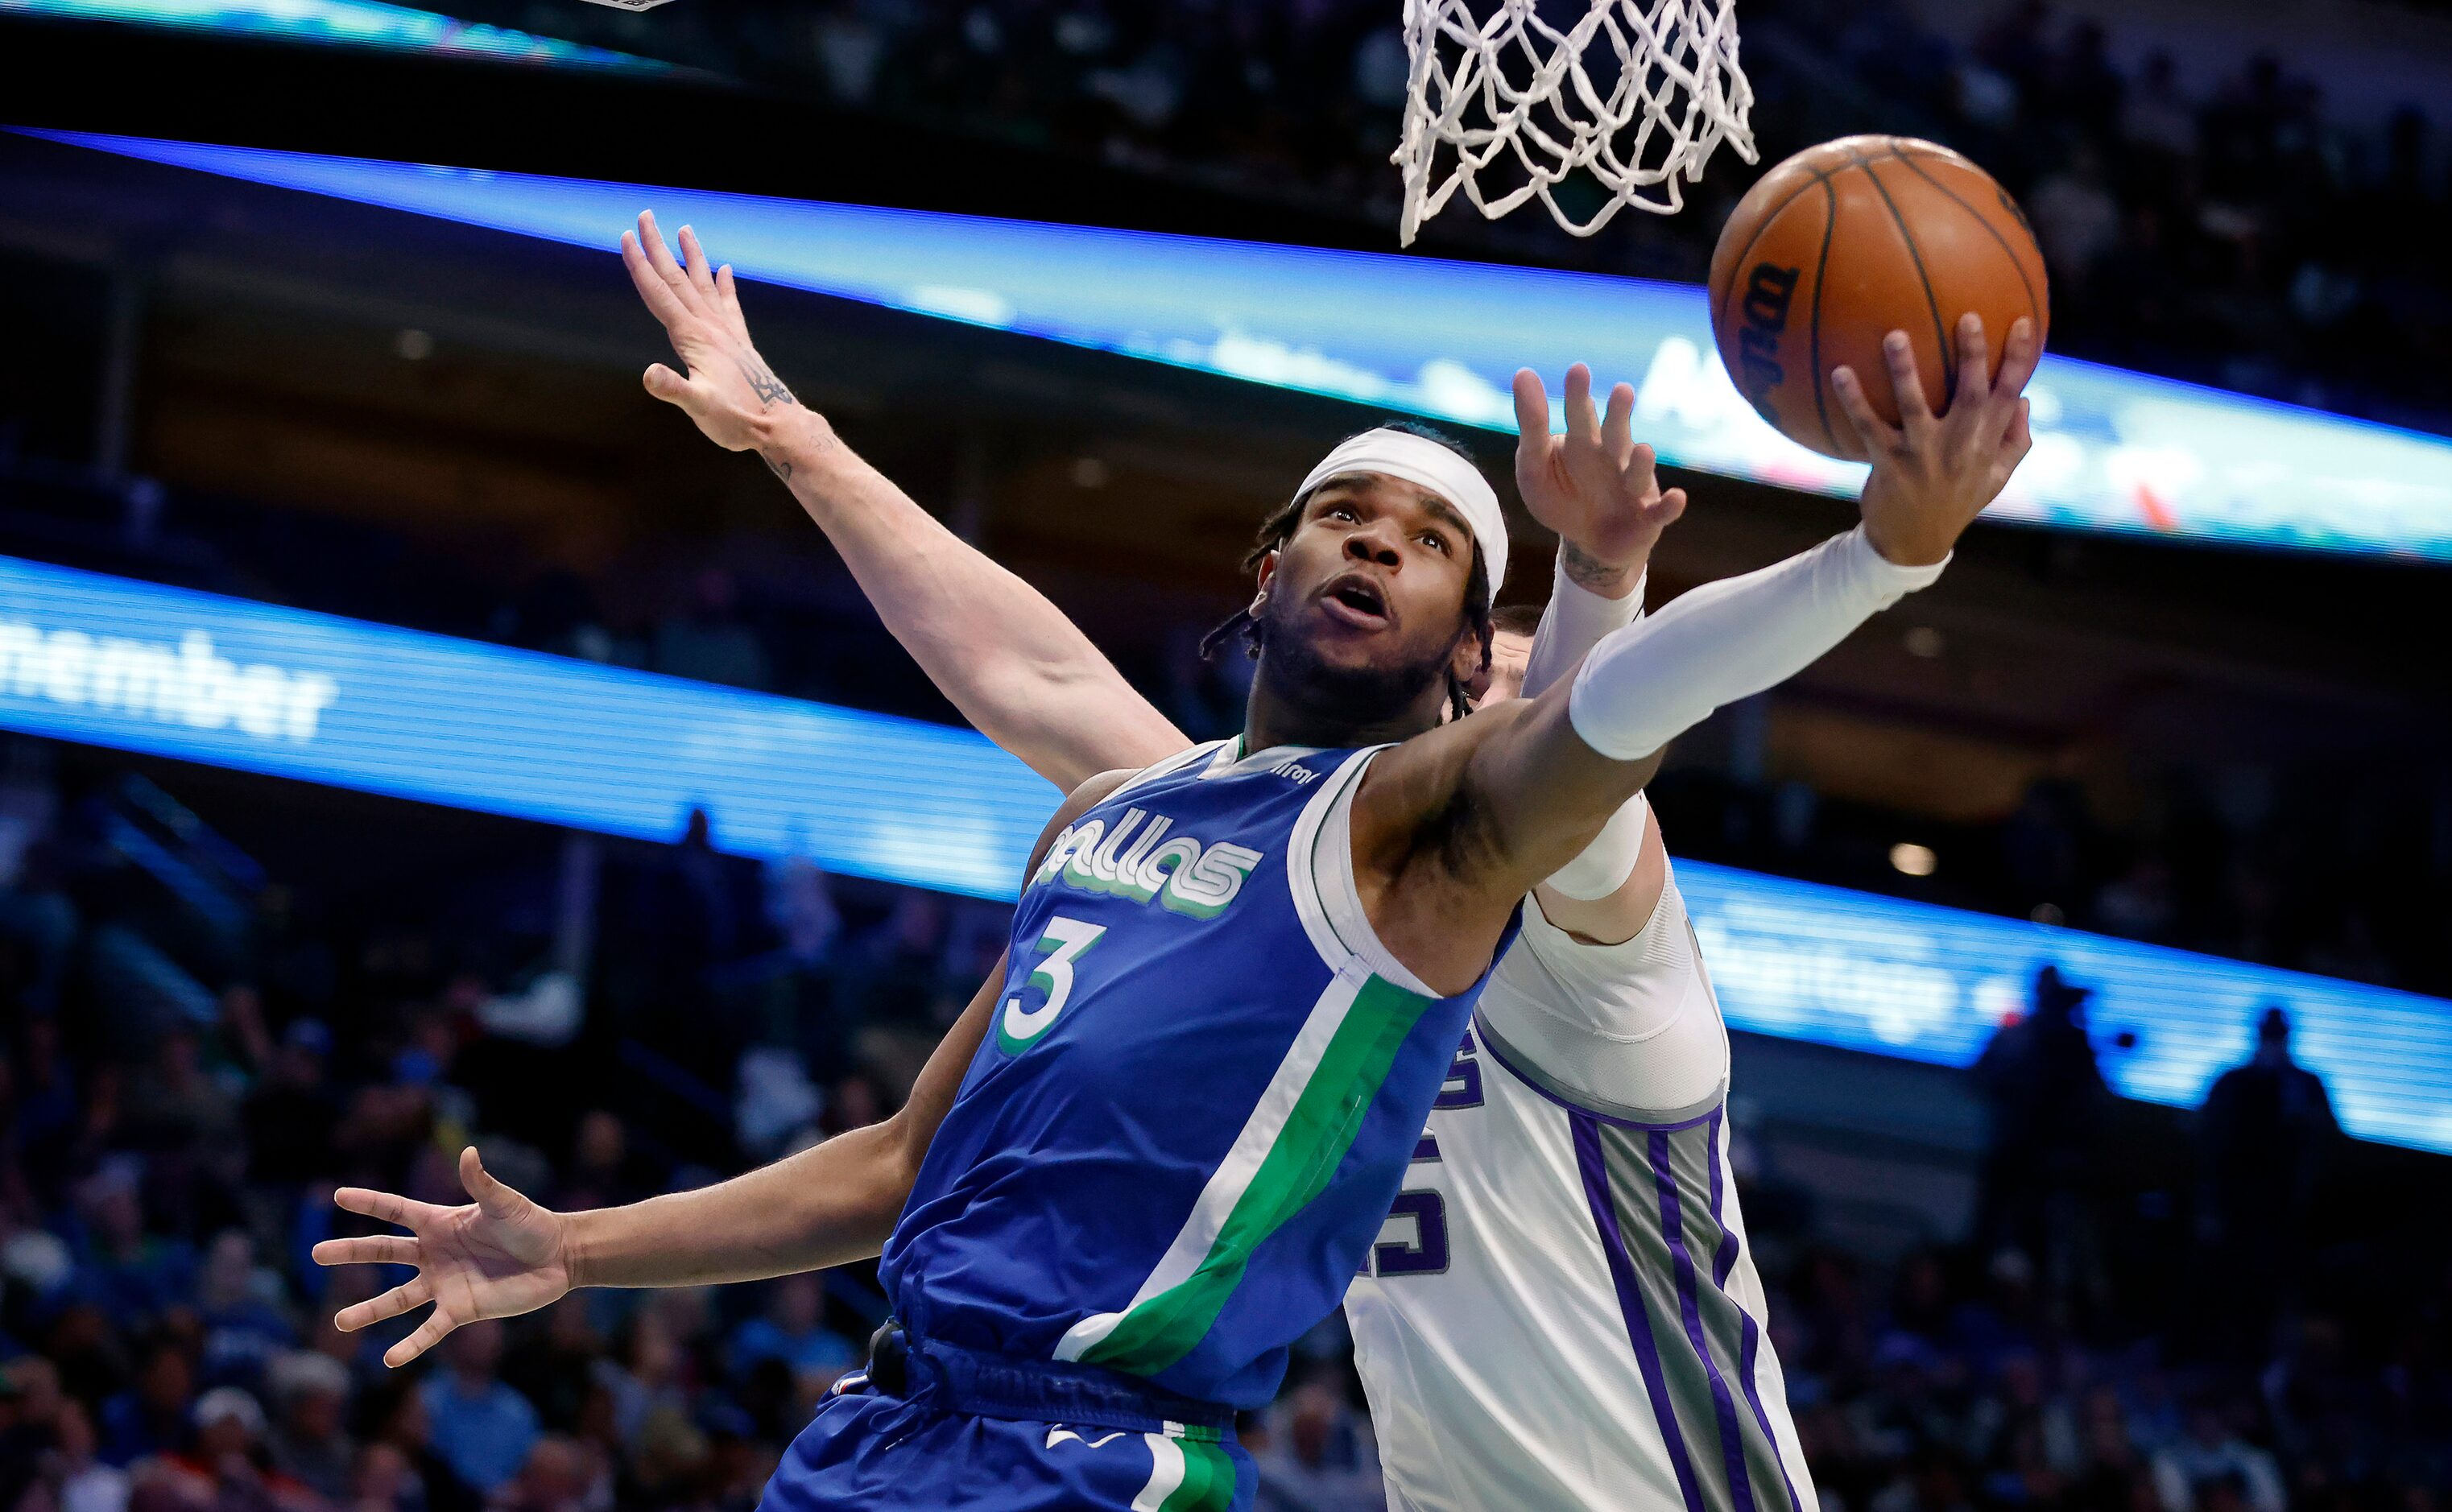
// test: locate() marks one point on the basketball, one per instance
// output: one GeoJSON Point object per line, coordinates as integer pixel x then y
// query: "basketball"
{"type": "Point", "coordinates": [1846, 241]}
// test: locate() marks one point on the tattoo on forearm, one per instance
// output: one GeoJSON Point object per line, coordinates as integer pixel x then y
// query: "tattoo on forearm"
{"type": "Point", "coordinates": [763, 383]}
{"type": "Point", "coordinates": [777, 465]}
{"type": "Point", "coordinates": [1588, 571]}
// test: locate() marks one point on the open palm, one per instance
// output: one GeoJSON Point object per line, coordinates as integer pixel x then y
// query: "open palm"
{"type": "Point", "coordinates": [1594, 486]}
{"type": "Point", "coordinates": [729, 389]}
{"type": "Point", "coordinates": [497, 1257]}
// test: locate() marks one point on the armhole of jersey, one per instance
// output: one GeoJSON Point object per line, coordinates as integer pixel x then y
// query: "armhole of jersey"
{"type": "Point", "coordinates": [1157, 769]}
{"type": "Point", "coordinates": [1524, 1069]}
{"type": "Point", "coordinates": [1319, 870]}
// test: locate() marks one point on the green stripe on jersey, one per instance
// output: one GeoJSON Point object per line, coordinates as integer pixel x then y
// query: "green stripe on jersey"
{"type": "Point", "coordinates": [1157, 1330]}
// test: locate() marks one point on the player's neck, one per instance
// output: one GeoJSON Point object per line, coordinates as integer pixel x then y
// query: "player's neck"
{"type": "Point", "coordinates": [1289, 712]}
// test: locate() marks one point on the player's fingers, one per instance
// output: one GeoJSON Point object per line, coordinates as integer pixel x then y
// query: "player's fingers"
{"type": "Point", "coordinates": [1974, 363]}
{"type": "Point", "coordinates": [429, 1333]}
{"type": "Point", "coordinates": [1617, 426]}
{"type": "Point", "coordinates": [391, 1304]}
{"type": "Point", "coordinates": [1907, 384]}
{"type": "Point", "coordinates": [662, 302]}
{"type": "Point", "coordinates": [373, 1250]}
{"type": "Point", "coordinates": [728, 295]}
{"type": "Point", "coordinates": [1583, 421]}
{"type": "Point", "coordinates": [667, 384]}
{"type": "Point", "coordinates": [2019, 355]}
{"type": "Point", "coordinates": [660, 258]}
{"type": "Point", "coordinates": [1637, 472]}
{"type": "Point", "coordinates": [1532, 413]}
{"type": "Point", "coordinates": [2020, 439]}
{"type": "Point", "coordinates": [694, 262]}
{"type": "Point", "coordinates": [385, 1205]}
{"type": "Point", "coordinates": [1871, 434]}
{"type": "Point", "coordinates": [1670, 508]}
{"type": "Point", "coordinates": [496, 1200]}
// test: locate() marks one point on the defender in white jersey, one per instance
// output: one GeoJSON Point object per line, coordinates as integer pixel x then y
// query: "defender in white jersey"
{"type": "Point", "coordinates": [1565, 1274]}
{"type": "Point", "coordinates": [1562, 1312]}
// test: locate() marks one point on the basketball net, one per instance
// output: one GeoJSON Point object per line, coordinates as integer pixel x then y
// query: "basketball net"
{"type": "Point", "coordinates": [1637, 92]}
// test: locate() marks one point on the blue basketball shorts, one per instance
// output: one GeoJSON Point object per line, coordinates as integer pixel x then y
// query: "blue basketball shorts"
{"type": "Point", "coordinates": [984, 1434]}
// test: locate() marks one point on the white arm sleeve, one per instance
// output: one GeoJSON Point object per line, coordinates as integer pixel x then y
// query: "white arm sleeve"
{"type": "Point", "coordinates": [1729, 639]}
{"type": "Point", "coordinates": [1576, 621]}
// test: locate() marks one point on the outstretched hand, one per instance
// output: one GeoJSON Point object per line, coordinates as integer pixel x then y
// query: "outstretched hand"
{"type": "Point", "coordinates": [1594, 486]}
{"type": "Point", "coordinates": [729, 391]}
{"type": "Point", "coordinates": [1933, 474]}
{"type": "Point", "coordinates": [499, 1256]}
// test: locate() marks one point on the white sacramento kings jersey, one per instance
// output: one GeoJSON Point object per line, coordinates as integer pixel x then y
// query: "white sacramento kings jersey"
{"type": "Point", "coordinates": [1562, 1312]}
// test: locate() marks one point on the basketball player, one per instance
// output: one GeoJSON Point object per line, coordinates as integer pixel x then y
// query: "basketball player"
{"type": "Point", "coordinates": [1166, 1164]}
{"type": "Point", "coordinates": [1521, 1329]}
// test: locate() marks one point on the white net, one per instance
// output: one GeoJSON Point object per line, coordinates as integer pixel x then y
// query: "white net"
{"type": "Point", "coordinates": [1635, 92]}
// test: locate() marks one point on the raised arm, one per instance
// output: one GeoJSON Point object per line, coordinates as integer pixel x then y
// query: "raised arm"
{"type": "Point", "coordinates": [502, 1254]}
{"type": "Point", "coordinates": [1482, 810]}
{"type": "Point", "coordinates": [1021, 672]}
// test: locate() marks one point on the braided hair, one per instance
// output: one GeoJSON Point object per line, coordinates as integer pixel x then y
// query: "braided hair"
{"type": "Point", "coordinates": [1280, 528]}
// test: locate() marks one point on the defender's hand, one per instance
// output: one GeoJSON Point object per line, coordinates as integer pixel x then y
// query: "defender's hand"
{"type": "Point", "coordinates": [1933, 475]}
{"type": "Point", "coordinates": [498, 1257]}
{"type": "Point", "coordinates": [1594, 486]}
{"type": "Point", "coordinates": [730, 391]}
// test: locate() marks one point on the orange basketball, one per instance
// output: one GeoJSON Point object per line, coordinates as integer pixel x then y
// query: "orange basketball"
{"type": "Point", "coordinates": [1846, 241]}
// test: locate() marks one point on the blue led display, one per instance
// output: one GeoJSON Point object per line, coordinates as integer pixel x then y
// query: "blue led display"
{"type": "Point", "coordinates": [2114, 450]}
{"type": "Point", "coordinates": [345, 23]}
{"type": "Point", "coordinates": [140, 667]}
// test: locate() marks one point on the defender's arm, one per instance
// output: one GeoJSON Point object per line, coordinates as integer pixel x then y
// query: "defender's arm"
{"type": "Point", "coordinates": [1021, 672]}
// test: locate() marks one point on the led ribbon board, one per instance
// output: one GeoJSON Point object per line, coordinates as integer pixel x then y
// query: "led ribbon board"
{"type": "Point", "coordinates": [140, 667]}
{"type": "Point", "coordinates": [341, 23]}
{"type": "Point", "coordinates": [2114, 450]}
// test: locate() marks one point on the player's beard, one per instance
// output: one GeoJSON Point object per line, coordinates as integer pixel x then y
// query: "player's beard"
{"type": "Point", "coordinates": [1359, 697]}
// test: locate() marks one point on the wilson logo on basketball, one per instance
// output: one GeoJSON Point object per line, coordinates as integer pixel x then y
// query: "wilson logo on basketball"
{"type": "Point", "coordinates": [1767, 295]}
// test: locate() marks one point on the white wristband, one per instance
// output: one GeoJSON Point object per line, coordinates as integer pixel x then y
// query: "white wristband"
{"type": "Point", "coordinates": [1729, 639]}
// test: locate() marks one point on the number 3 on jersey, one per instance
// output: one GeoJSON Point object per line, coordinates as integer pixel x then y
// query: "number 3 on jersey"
{"type": "Point", "coordinates": [1065, 941]}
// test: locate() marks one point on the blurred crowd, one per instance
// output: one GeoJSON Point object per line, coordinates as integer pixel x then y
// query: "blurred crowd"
{"type": "Point", "coordinates": [2222, 229]}
{"type": "Point", "coordinates": [192, 1056]}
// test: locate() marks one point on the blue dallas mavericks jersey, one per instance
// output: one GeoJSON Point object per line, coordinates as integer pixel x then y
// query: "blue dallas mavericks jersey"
{"type": "Point", "coordinates": [1206, 1075]}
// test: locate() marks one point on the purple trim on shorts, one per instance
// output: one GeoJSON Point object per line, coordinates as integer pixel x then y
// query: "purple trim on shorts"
{"type": "Point", "coordinates": [1724, 1406]}
{"type": "Point", "coordinates": [1748, 1352]}
{"type": "Point", "coordinates": [1750, 1336]}
{"type": "Point", "coordinates": [1594, 1166]}
{"type": "Point", "coordinates": [1724, 1258]}
{"type": "Point", "coordinates": [1489, 1043]}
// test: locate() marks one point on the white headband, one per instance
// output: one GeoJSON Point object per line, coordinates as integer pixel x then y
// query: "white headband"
{"type": "Point", "coordinates": [1425, 463]}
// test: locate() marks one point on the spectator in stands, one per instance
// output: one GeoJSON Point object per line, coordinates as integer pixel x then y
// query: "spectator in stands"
{"type": "Point", "coordinates": [243, 1329]}
{"type": "Point", "coordinates": [1318, 1458]}
{"type": "Point", "coordinates": [2044, 1096]}
{"type": "Point", "coordinates": [483, 1429]}
{"type": "Point", "coordinates": [309, 1440]}
{"type": "Point", "coordinates": [221, 1466]}
{"type": "Point", "coordinates": [290, 1116]}
{"type": "Point", "coordinates": [2214, 1459]}
{"type": "Point", "coordinates": [2264, 1131]}
{"type": "Point", "coordinates": [150, 1417]}
{"type": "Point", "coordinates": [557, 1478]}
{"type": "Point", "coordinates": [790, 1331]}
